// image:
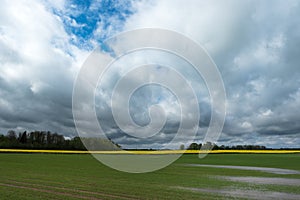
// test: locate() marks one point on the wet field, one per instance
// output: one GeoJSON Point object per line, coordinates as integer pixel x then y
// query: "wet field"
{"type": "Point", "coordinates": [217, 176]}
{"type": "Point", "coordinates": [252, 193]}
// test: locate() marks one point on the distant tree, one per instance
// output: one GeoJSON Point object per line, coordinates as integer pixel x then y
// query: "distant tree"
{"type": "Point", "coordinates": [76, 143]}
{"type": "Point", "coordinates": [181, 147]}
{"type": "Point", "coordinates": [215, 147]}
{"type": "Point", "coordinates": [194, 146]}
{"type": "Point", "coordinates": [49, 138]}
{"type": "Point", "coordinates": [11, 135]}
{"type": "Point", "coordinates": [23, 137]}
{"type": "Point", "coordinates": [2, 138]}
{"type": "Point", "coordinates": [207, 146]}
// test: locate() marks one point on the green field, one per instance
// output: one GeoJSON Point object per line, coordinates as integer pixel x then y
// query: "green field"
{"type": "Point", "coordinates": [60, 176]}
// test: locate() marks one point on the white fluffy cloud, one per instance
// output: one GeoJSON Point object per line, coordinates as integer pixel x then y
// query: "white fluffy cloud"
{"type": "Point", "coordinates": [37, 67]}
{"type": "Point", "coordinates": [254, 44]}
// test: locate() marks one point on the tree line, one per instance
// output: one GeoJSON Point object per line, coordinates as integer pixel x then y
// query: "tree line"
{"type": "Point", "coordinates": [209, 145]}
{"type": "Point", "coordinates": [39, 140]}
{"type": "Point", "coordinates": [53, 141]}
{"type": "Point", "coordinates": [48, 140]}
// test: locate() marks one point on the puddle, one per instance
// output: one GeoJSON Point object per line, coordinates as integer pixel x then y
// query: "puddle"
{"type": "Point", "coordinates": [262, 169]}
{"type": "Point", "coordinates": [262, 180]}
{"type": "Point", "coordinates": [249, 194]}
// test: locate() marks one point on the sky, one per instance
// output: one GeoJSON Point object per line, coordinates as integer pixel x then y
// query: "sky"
{"type": "Point", "coordinates": [254, 44]}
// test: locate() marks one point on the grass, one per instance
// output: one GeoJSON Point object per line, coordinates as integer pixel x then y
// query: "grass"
{"type": "Point", "coordinates": [80, 176]}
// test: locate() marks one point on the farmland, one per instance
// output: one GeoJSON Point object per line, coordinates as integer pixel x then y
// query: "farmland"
{"type": "Point", "coordinates": [80, 176]}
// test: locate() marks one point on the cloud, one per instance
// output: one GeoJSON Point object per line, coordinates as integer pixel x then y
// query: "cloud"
{"type": "Point", "coordinates": [38, 67]}
{"type": "Point", "coordinates": [254, 44]}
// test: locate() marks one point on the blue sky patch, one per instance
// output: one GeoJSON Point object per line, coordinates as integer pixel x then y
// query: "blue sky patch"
{"type": "Point", "coordinates": [93, 20]}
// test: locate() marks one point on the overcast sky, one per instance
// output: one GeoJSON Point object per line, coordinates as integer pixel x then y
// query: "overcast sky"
{"type": "Point", "coordinates": [255, 45]}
